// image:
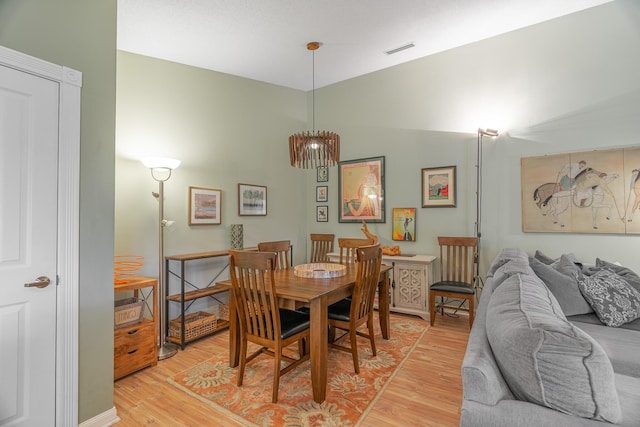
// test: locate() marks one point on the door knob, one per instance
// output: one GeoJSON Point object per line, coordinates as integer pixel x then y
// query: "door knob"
{"type": "Point", "coordinates": [41, 282]}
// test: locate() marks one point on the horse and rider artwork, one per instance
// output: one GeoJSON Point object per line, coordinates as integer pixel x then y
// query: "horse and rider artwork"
{"type": "Point", "coordinates": [586, 192]}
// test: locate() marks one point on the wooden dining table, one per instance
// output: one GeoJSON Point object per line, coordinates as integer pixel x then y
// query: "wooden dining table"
{"type": "Point", "coordinates": [318, 294]}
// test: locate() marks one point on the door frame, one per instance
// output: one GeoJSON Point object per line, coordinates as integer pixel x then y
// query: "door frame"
{"type": "Point", "coordinates": [70, 84]}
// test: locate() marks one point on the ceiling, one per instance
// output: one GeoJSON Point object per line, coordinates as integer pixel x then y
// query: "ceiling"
{"type": "Point", "coordinates": [266, 40]}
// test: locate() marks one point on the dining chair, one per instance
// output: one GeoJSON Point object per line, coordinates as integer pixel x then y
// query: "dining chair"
{"type": "Point", "coordinates": [348, 248]}
{"type": "Point", "coordinates": [282, 248]}
{"type": "Point", "coordinates": [349, 314]}
{"type": "Point", "coordinates": [261, 321]}
{"type": "Point", "coordinates": [321, 245]}
{"type": "Point", "coordinates": [457, 275]}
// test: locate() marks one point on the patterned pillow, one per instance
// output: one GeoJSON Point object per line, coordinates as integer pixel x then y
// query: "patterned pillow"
{"type": "Point", "coordinates": [612, 298]}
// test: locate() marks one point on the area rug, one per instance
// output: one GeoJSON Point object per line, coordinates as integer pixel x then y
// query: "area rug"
{"type": "Point", "coordinates": [349, 396]}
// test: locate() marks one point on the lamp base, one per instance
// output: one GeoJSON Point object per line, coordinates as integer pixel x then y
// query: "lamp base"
{"type": "Point", "coordinates": [167, 350]}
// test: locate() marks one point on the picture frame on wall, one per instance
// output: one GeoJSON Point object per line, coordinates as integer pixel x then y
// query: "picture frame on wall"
{"type": "Point", "coordinates": [252, 200]}
{"type": "Point", "coordinates": [404, 224]}
{"type": "Point", "coordinates": [205, 206]}
{"type": "Point", "coordinates": [322, 213]}
{"type": "Point", "coordinates": [323, 174]}
{"type": "Point", "coordinates": [439, 187]}
{"type": "Point", "coordinates": [322, 193]}
{"type": "Point", "coordinates": [361, 190]}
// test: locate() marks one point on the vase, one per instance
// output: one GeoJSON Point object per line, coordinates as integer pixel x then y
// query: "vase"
{"type": "Point", "coordinates": [236, 236]}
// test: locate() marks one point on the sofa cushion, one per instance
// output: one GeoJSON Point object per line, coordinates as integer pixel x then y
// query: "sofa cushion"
{"type": "Point", "coordinates": [543, 357]}
{"type": "Point", "coordinates": [613, 299]}
{"type": "Point", "coordinates": [561, 281]}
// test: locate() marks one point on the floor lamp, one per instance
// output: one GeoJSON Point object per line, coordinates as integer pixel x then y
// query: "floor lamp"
{"type": "Point", "coordinates": [161, 171]}
{"type": "Point", "coordinates": [477, 282]}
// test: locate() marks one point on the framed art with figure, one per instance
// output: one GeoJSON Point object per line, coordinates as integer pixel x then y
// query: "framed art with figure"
{"type": "Point", "coordinates": [361, 190]}
{"type": "Point", "coordinates": [439, 187]}
{"type": "Point", "coordinates": [404, 224]}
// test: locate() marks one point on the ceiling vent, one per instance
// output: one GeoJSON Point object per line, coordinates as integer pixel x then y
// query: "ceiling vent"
{"type": "Point", "coordinates": [400, 49]}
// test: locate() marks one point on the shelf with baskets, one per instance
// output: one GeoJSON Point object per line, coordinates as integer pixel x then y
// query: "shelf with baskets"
{"type": "Point", "coordinates": [189, 327]}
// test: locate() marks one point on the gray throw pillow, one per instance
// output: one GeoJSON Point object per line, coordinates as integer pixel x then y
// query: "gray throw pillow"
{"type": "Point", "coordinates": [544, 358]}
{"type": "Point", "coordinates": [627, 274]}
{"type": "Point", "coordinates": [543, 258]}
{"type": "Point", "coordinates": [562, 282]}
{"type": "Point", "coordinates": [612, 298]}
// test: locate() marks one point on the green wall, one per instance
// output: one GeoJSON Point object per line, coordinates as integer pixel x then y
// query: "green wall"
{"type": "Point", "coordinates": [82, 35]}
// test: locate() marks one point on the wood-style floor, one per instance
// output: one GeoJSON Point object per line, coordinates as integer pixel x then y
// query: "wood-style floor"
{"type": "Point", "coordinates": [426, 392]}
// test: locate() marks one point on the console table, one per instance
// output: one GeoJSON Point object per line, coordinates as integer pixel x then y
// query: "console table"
{"type": "Point", "coordinates": [410, 281]}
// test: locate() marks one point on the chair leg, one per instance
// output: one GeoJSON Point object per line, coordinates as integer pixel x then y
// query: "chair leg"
{"type": "Point", "coordinates": [371, 338]}
{"type": "Point", "coordinates": [354, 350]}
{"type": "Point", "coordinates": [276, 374]}
{"type": "Point", "coordinates": [432, 308]}
{"type": "Point", "coordinates": [243, 361]}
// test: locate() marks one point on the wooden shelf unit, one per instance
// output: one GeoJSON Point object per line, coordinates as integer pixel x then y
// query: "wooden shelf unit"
{"type": "Point", "coordinates": [136, 346]}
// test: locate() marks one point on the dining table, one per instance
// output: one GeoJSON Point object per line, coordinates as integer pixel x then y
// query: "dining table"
{"type": "Point", "coordinates": [318, 294]}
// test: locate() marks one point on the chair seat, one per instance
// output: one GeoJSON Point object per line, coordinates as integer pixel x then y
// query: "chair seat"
{"type": "Point", "coordinates": [451, 286]}
{"type": "Point", "coordinates": [292, 322]}
{"type": "Point", "coordinates": [340, 310]}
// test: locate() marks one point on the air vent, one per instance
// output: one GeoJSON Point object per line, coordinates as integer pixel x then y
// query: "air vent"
{"type": "Point", "coordinates": [400, 49]}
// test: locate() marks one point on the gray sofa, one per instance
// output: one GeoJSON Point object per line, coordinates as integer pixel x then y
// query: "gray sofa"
{"type": "Point", "coordinates": [539, 356]}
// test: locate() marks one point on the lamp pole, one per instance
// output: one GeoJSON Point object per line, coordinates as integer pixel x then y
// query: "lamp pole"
{"type": "Point", "coordinates": [477, 282]}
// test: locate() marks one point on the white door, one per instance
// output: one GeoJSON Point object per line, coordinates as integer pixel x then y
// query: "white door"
{"type": "Point", "coordinates": [28, 247]}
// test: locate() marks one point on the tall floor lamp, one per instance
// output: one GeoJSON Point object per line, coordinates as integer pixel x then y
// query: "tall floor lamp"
{"type": "Point", "coordinates": [478, 284]}
{"type": "Point", "coordinates": [161, 168]}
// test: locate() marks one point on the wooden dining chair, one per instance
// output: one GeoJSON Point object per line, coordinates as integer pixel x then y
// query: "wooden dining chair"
{"type": "Point", "coordinates": [261, 321]}
{"type": "Point", "coordinates": [348, 248]}
{"type": "Point", "coordinates": [321, 245]}
{"type": "Point", "coordinates": [457, 275]}
{"type": "Point", "coordinates": [282, 248]}
{"type": "Point", "coordinates": [349, 314]}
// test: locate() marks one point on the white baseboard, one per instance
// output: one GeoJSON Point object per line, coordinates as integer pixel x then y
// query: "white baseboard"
{"type": "Point", "coordinates": [104, 419]}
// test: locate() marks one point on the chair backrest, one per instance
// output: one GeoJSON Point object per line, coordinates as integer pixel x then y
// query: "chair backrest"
{"type": "Point", "coordinates": [321, 245]}
{"type": "Point", "coordinates": [282, 248]}
{"type": "Point", "coordinates": [367, 278]}
{"type": "Point", "coordinates": [257, 305]}
{"type": "Point", "coordinates": [457, 259]}
{"type": "Point", "coordinates": [348, 248]}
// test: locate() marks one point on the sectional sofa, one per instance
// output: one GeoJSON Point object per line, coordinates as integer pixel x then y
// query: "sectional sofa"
{"type": "Point", "coordinates": [539, 353]}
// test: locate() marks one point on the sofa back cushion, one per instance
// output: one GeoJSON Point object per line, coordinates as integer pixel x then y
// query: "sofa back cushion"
{"type": "Point", "coordinates": [543, 357]}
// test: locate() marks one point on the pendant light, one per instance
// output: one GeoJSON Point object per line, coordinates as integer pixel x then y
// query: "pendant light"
{"type": "Point", "coordinates": [314, 149]}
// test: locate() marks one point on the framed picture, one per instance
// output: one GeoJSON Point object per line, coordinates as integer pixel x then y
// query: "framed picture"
{"type": "Point", "coordinates": [404, 224]}
{"type": "Point", "coordinates": [439, 187]}
{"type": "Point", "coordinates": [322, 213]}
{"type": "Point", "coordinates": [205, 206]}
{"type": "Point", "coordinates": [361, 190]}
{"type": "Point", "coordinates": [321, 193]}
{"type": "Point", "coordinates": [252, 200]}
{"type": "Point", "coordinates": [323, 174]}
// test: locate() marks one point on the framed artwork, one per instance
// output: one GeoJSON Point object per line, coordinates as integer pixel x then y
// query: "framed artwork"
{"type": "Point", "coordinates": [252, 199]}
{"type": "Point", "coordinates": [439, 187]}
{"type": "Point", "coordinates": [205, 206]}
{"type": "Point", "coordinates": [361, 190]}
{"type": "Point", "coordinates": [583, 192]}
{"type": "Point", "coordinates": [321, 193]}
{"type": "Point", "coordinates": [404, 224]}
{"type": "Point", "coordinates": [322, 213]}
{"type": "Point", "coordinates": [323, 174]}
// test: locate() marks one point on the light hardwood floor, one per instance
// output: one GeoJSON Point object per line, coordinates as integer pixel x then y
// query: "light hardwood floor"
{"type": "Point", "coordinates": [426, 392]}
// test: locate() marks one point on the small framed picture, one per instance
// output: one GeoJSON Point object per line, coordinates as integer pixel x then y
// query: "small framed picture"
{"type": "Point", "coordinates": [205, 206]}
{"type": "Point", "coordinates": [252, 199]}
{"type": "Point", "coordinates": [321, 193]}
{"type": "Point", "coordinates": [322, 213]}
{"type": "Point", "coordinates": [404, 224]}
{"type": "Point", "coordinates": [439, 187]}
{"type": "Point", "coordinates": [323, 174]}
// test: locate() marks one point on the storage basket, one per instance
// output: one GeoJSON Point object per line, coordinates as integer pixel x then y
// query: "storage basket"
{"type": "Point", "coordinates": [127, 311]}
{"type": "Point", "coordinates": [223, 312]}
{"type": "Point", "coordinates": [196, 325]}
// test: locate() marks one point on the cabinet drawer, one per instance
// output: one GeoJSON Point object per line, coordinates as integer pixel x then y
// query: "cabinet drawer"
{"type": "Point", "coordinates": [134, 349]}
{"type": "Point", "coordinates": [128, 339]}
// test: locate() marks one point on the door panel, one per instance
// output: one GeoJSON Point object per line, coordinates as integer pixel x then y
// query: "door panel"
{"type": "Point", "coordinates": [28, 244]}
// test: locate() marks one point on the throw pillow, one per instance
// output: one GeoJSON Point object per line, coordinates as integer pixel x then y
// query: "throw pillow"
{"type": "Point", "coordinates": [544, 358]}
{"type": "Point", "coordinates": [563, 284]}
{"type": "Point", "coordinates": [543, 258]}
{"type": "Point", "coordinates": [612, 298]}
{"type": "Point", "coordinates": [627, 274]}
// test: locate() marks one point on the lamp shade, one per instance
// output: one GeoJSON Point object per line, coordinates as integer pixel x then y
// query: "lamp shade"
{"type": "Point", "coordinates": [160, 162]}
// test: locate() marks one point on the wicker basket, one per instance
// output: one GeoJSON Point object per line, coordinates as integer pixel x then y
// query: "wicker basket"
{"type": "Point", "coordinates": [127, 311]}
{"type": "Point", "coordinates": [223, 312]}
{"type": "Point", "coordinates": [196, 325]}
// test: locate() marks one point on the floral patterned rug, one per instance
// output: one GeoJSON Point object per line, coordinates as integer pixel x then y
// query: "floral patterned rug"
{"type": "Point", "coordinates": [349, 396]}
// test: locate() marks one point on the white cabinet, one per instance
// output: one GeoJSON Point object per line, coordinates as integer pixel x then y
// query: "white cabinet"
{"type": "Point", "coordinates": [410, 281]}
